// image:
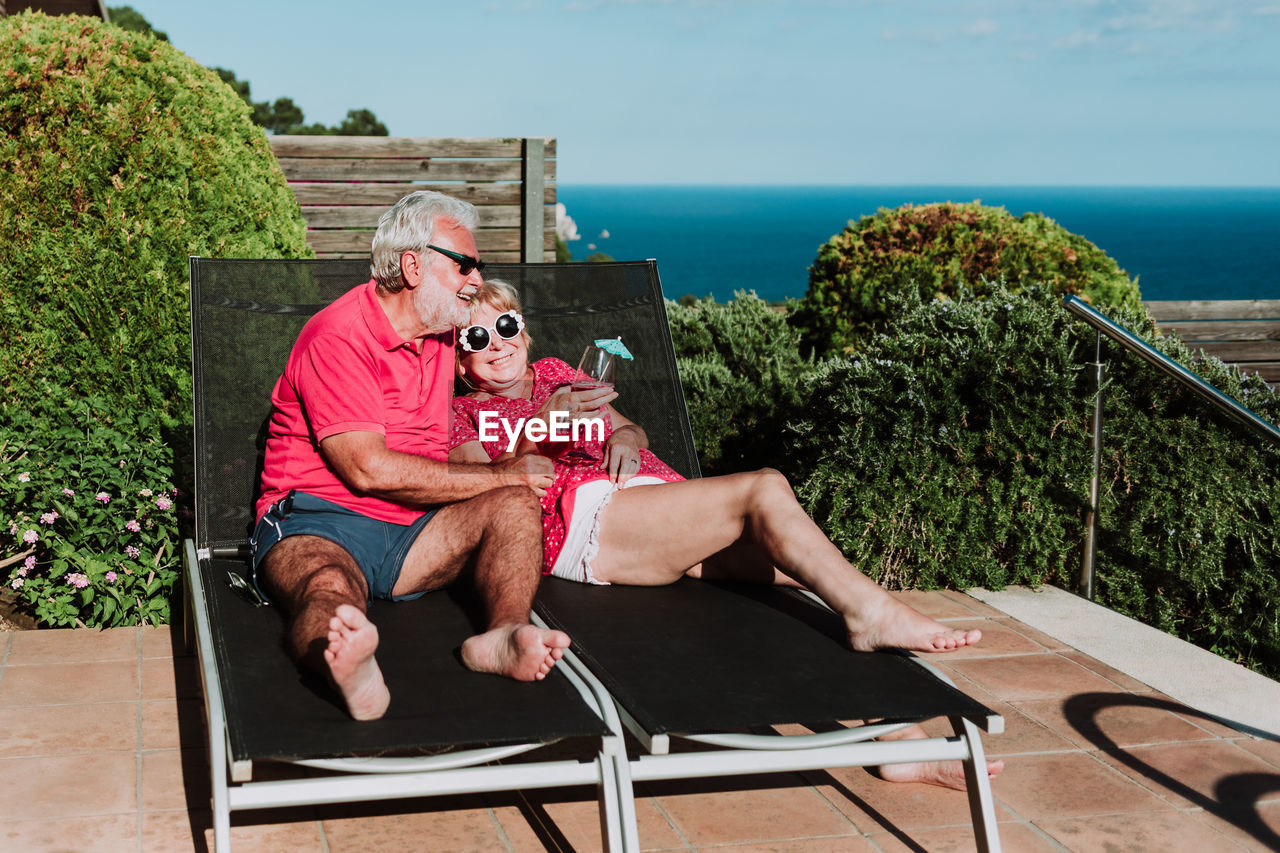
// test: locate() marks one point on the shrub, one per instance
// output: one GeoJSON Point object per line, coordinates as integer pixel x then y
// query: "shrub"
{"type": "Point", "coordinates": [119, 158]}
{"type": "Point", "coordinates": [953, 450]}
{"type": "Point", "coordinates": [94, 524]}
{"type": "Point", "coordinates": [937, 250]}
{"type": "Point", "coordinates": [740, 365]}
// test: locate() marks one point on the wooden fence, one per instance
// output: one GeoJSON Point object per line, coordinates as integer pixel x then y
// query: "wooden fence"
{"type": "Point", "coordinates": [1245, 332]}
{"type": "Point", "coordinates": [344, 183]}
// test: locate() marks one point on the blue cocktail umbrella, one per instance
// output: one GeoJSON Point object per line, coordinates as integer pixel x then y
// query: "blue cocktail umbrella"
{"type": "Point", "coordinates": [615, 346]}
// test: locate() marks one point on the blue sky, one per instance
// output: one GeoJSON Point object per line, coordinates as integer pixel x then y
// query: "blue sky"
{"type": "Point", "coordinates": [1056, 92]}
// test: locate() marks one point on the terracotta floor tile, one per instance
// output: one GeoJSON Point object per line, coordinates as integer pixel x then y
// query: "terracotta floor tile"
{"type": "Point", "coordinates": [933, 604]}
{"type": "Point", "coordinates": [1053, 644]}
{"type": "Point", "coordinates": [68, 785]}
{"type": "Point", "coordinates": [256, 831]}
{"type": "Point", "coordinates": [842, 844]}
{"type": "Point", "coordinates": [1014, 837]}
{"type": "Point", "coordinates": [1039, 787]}
{"type": "Point", "coordinates": [1115, 676]}
{"type": "Point", "coordinates": [1043, 676]}
{"type": "Point", "coordinates": [165, 678]}
{"type": "Point", "coordinates": [173, 724]}
{"type": "Point", "coordinates": [749, 809]}
{"type": "Point", "coordinates": [979, 608]}
{"type": "Point", "coordinates": [68, 729]}
{"type": "Point", "coordinates": [69, 683]}
{"type": "Point", "coordinates": [1256, 828]}
{"type": "Point", "coordinates": [570, 817]}
{"type": "Point", "coordinates": [117, 833]}
{"type": "Point", "coordinates": [1200, 774]}
{"type": "Point", "coordinates": [174, 779]}
{"type": "Point", "coordinates": [1151, 832]}
{"type": "Point", "coordinates": [65, 645]}
{"type": "Point", "coordinates": [1267, 750]}
{"type": "Point", "coordinates": [873, 804]}
{"type": "Point", "coordinates": [465, 829]}
{"type": "Point", "coordinates": [162, 641]}
{"type": "Point", "coordinates": [1105, 720]}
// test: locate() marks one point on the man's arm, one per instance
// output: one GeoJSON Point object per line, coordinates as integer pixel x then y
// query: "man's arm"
{"type": "Point", "coordinates": [365, 465]}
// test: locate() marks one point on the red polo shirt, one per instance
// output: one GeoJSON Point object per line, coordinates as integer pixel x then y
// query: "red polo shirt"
{"type": "Point", "coordinates": [350, 371]}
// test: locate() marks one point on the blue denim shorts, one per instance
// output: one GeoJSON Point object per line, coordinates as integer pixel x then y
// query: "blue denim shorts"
{"type": "Point", "coordinates": [378, 547]}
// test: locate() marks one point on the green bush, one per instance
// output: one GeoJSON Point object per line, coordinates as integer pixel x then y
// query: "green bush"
{"type": "Point", "coordinates": [936, 250]}
{"type": "Point", "coordinates": [94, 532]}
{"type": "Point", "coordinates": [119, 158]}
{"type": "Point", "coordinates": [740, 366]}
{"type": "Point", "coordinates": [953, 450]}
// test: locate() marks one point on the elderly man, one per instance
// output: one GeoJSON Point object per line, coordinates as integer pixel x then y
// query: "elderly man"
{"type": "Point", "coordinates": [358, 500]}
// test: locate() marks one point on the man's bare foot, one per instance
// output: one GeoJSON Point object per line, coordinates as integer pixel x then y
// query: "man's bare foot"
{"type": "Point", "coordinates": [945, 774]}
{"type": "Point", "coordinates": [352, 641]}
{"type": "Point", "coordinates": [887, 623]}
{"type": "Point", "coordinates": [523, 652]}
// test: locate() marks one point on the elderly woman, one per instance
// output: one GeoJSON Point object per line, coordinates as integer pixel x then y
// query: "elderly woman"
{"type": "Point", "coordinates": [609, 514]}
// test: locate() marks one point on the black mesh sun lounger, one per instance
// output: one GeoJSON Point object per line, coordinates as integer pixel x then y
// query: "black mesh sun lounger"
{"type": "Point", "coordinates": [446, 727]}
{"type": "Point", "coordinates": [709, 663]}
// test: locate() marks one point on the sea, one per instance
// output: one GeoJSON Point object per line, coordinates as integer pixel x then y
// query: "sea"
{"type": "Point", "coordinates": [1179, 242]}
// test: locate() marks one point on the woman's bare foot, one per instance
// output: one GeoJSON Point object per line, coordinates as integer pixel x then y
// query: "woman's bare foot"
{"type": "Point", "coordinates": [945, 774]}
{"type": "Point", "coordinates": [886, 623]}
{"type": "Point", "coordinates": [523, 652]}
{"type": "Point", "coordinates": [352, 641]}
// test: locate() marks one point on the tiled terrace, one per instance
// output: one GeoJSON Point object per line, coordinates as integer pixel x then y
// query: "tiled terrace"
{"type": "Point", "coordinates": [101, 750]}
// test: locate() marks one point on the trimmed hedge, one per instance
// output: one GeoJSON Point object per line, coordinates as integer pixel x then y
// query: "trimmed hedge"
{"type": "Point", "coordinates": [954, 451]}
{"type": "Point", "coordinates": [937, 250]}
{"type": "Point", "coordinates": [119, 158]}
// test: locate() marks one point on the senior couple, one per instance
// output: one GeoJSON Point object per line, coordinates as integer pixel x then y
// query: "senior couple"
{"type": "Point", "coordinates": [361, 496]}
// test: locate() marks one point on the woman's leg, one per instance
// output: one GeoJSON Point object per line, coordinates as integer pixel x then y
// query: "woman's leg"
{"type": "Point", "coordinates": [741, 524]}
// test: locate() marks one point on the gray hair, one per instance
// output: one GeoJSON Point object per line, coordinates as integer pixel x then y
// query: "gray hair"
{"type": "Point", "coordinates": [408, 227]}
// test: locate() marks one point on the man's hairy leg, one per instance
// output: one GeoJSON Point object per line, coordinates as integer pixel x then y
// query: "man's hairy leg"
{"type": "Point", "coordinates": [321, 588]}
{"type": "Point", "coordinates": [502, 529]}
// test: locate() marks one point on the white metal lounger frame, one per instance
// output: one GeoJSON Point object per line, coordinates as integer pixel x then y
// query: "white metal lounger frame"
{"type": "Point", "coordinates": [854, 747]}
{"type": "Point", "coordinates": [365, 779]}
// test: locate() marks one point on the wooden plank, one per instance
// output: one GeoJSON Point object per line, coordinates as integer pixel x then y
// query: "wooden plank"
{"type": "Point", "coordinates": [1214, 309]}
{"type": "Point", "coordinates": [399, 146]}
{"type": "Point", "coordinates": [1241, 352]}
{"type": "Point", "coordinates": [348, 216]}
{"type": "Point", "coordinates": [487, 240]}
{"type": "Point", "coordinates": [385, 195]}
{"type": "Point", "coordinates": [1225, 330]}
{"type": "Point", "coordinates": [301, 169]}
{"type": "Point", "coordinates": [495, 257]}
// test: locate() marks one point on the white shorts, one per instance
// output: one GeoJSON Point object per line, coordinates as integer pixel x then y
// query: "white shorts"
{"type": "Point", "coordinates": [582, 538]}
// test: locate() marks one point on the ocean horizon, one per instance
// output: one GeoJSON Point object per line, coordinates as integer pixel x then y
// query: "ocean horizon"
{"type": "Point", "coordinates": [1179, 242]}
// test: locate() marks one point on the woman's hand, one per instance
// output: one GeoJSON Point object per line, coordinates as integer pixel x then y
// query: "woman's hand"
{"type": "Point", "coordinates": [579, 404]}
{"type": "Point", "coordinates": [622, 455]}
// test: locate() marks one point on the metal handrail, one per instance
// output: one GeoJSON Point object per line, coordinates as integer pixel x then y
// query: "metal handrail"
{"type": "Point", "coordinates": [1144, 350]}
{"type": "Point", "coordinates": [1127, 339]}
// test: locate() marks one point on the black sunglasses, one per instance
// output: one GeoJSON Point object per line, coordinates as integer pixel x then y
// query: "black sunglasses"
{"type": "Point", "coordinates": [506, 326]}
{"type": "Point", "coordinates": [466, 263]}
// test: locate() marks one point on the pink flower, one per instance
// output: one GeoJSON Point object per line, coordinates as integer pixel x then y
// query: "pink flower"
{"type": "Point", "coordinates": [122, 464]}
{"type": "Point", "coordinates": [132, 524]}
{"type": "Point", "coordinates": [69, 493]}
{"type": "Point", "coordinates": [22, 572]}
{"type": "Point", "coordinates": [24, 477]}
{"type": "Point", "coordinates": [164, 503]}
{"type": "Point", "coordinates": [132, 551]}
{"type": "Point", "coordinates": [48, 518]}
{"type": "Point", "coordinates": [102, 496]}
{"type": "Point", "coordinates": [17, 583]}
{"type": "Point", "coordinates": [111, 577]}
{"type": "Point", "coordinates": [29, 563]}
{"type": "Point", "coordinates": [78, 580]}
{"type": "Point", "coordinates": [146, 493]}
{"type": "Point", "coordinates": [31, 537]}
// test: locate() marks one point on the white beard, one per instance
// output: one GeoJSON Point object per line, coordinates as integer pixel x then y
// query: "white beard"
{"type": "Point", "coordinates": [439, 309]}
